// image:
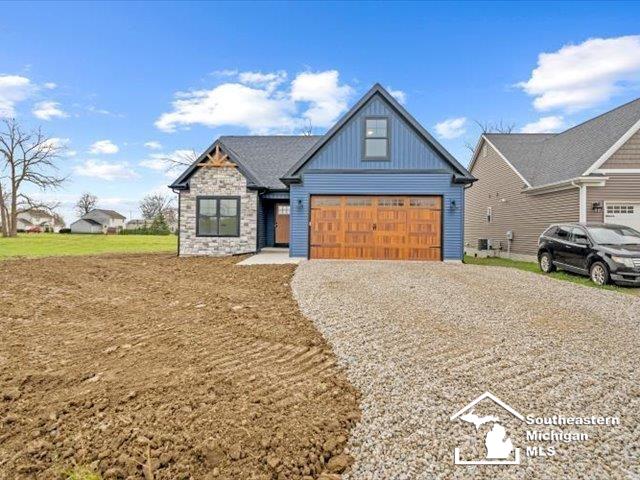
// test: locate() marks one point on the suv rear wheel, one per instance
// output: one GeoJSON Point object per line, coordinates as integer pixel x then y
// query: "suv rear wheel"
{"type": "Point", "coordinates": [546, 263]}
{"type": "Point", "coordinates": [599, 273]}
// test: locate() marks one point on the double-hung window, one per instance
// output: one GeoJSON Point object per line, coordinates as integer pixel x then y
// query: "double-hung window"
{"type": "Point", "coordinates": [376, 138]}
{"type": "Point", "coordinates": [218, 216]}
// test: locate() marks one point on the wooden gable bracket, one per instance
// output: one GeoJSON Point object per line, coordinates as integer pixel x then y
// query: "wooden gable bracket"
{"type": "Point", "coordinates": [217, 160]}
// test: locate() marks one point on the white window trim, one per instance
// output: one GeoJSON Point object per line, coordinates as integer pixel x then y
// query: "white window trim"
{"type": "Point", "coordinates": [614, 148]}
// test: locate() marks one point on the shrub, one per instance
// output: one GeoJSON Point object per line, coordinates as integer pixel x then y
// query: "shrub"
{"type": "Point", "coordinates": [159, 225]}
{"type": "Point", "coordinates": [65, 230]}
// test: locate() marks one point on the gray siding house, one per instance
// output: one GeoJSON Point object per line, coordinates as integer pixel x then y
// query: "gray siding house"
{"type": "Point", "coordinates": [377, 185]}
{"type": "Point", "coordinates": [589, 173]}
{"type": "Point", "coordinates": [98, 220]}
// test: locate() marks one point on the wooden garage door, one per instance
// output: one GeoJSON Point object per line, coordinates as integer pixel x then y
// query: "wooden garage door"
{"type": "Point", "coordinates": [376, 227]}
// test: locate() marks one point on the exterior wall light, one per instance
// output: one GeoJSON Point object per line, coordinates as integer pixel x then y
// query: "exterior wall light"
{"type": "Point", "coordinates": [596, 206]}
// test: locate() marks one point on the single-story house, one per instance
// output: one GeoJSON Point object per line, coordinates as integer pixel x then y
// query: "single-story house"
{"type": "Point", "coordinates": [588, 173]}
{"type": "Point", "coordinates": [99, 220]}
{"type": "Point", "coordinates": [377, 185]}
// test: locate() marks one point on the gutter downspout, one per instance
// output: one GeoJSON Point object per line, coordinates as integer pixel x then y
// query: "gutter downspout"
{"type": "Point", "coordinates": [582, 218]}
{"type": "Point", "coordinates": [178, 193]}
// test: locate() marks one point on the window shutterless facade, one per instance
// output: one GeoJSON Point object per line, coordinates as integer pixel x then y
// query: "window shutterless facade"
{"type": "Point", "coordinates": [217, 216]}
{"type": "Point", "coordinates": [376, 138]}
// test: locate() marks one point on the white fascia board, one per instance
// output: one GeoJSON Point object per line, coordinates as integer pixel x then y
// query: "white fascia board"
{"type": "Point", "coordinates": [608, 171]}
{"type": "Point", "coordinates": [614, 148]}
{"type": "Point", "coordinates": [566, 184]}
{"type": "Point", "coordinates": [476, 151]}
{"type": "Point", "coordinates": [507, 161]}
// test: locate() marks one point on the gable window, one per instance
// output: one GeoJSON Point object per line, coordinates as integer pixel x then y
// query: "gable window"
{"type": "Point", "coordinates": [376, 138]}
{"type": "Point", "coordinates": [218, 216]}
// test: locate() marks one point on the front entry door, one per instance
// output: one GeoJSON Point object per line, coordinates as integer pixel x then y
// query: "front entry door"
{"type": "Point", "coordinates": [282, 223]}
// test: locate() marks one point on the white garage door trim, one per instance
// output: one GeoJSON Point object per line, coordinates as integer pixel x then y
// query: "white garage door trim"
{"type": "Point", "coordinates": [623, 213]}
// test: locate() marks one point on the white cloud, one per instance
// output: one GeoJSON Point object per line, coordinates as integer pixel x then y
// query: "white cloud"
{"type": "Point", "coordinates": [105, 170]}
{"type": "Point", "coordinates": [172, 164]}
{"type": "Point", "coordinates": [13, 89]}
{"type": "Point", "coordinates": [261, 103]}
{"type": "Point", "coordinates": [451, 128]}
{"type": "Point", "coordinates": [153, 145]}
{"type": "Point", "coordinates": [50, 85]}
{"type": "Point", "coordinates": [551, 123]}
{"type": "Point", "coordinates": [47, 110]}
{"type": "Point", "coordinates": [104, 147]}
{"type": "Point", "coordinates": [326, 97]}
{"type": "Point", "coordinates": [62, 144]}
{"type": "Point", "coordinates": [581, 76]}
{"type": "Point", "coordinates": [399, 95]}
{"type": "Point", "coordinates": [259, 79]}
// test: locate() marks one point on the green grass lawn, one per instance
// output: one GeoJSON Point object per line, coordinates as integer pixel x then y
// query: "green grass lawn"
{"type": "Point", "coordinates": [55, 244]}
{"type": "Point", "coordinates": [533, 267]}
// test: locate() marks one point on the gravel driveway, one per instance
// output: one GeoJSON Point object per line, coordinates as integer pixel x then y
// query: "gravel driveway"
{"type": "Point", "coordinates": [421, 340]}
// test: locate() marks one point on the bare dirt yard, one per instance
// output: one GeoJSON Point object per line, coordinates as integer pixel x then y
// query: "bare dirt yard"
{"type": "Point", "coordinates": [149, 366]}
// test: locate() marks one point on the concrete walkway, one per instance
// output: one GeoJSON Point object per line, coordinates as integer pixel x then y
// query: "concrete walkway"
{"type": "Point", "coordinates": [270, 256]}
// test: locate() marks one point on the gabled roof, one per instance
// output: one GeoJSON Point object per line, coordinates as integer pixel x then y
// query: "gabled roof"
{"type": "Point", "coordinates": [262, 159]}
{"type": "Point", "coordinates": [88, 220]}
{"type": "Point", "coordinates": [110, 213]}
{"type": "Point", "coordinates": [267, 157]}
{"type": "Point", "coordinates": [546, 158]}
{"type": "Point", "coordinates": [377, 89]}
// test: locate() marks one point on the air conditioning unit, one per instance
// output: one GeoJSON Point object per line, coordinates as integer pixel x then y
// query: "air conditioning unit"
{"type": "Point", "coordinates": [483, 244]}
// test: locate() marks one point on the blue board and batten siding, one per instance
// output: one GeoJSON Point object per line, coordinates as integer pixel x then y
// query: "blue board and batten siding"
{"type": "Point", "coordinates": [338, 168]}
{"type": "Point", "coordinates": [379, 184]}
{"type": "Point", "coordinates": [408, 150]}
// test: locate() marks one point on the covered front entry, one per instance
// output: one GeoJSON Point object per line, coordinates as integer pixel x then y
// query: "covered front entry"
{"type": "Point", "coordinates": [376, 227]}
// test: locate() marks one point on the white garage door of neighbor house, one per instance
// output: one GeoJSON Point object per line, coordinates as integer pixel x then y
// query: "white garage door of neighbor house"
{"type": "Point", "coordinates": [623, 214]}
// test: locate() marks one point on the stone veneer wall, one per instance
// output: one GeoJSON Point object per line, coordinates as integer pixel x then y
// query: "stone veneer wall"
{"type": "Point", "coordinates": [224, 182]}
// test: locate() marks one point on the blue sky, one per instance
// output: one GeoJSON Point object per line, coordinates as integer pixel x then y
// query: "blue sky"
{"type": "Point", "coordinates": [108, 78]}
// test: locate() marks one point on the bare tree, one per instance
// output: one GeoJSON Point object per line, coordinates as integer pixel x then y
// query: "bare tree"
{"type": "Point", "coordinates": [26, 158]}
{"type": "Point", "coordinates": [86, 203]}
{"type": "Point", "coordinates": [152, 205]}
{"type": "Point", "coordinates": [491, 127]}
{"type": "Point", "coordinates": [181, 158]}
{"type": "Point", "coordinates": [307, 130]}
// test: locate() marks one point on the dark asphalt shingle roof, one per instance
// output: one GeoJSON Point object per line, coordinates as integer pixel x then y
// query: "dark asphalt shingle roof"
{"type": "Point", "coordinates": [268, 158]}
{"type": "Point", "coordinates": [89, 220]}
{"type": "Point", "coordinates": [111, 213]}
{"type": "Point", "coordinates": [547, 158]}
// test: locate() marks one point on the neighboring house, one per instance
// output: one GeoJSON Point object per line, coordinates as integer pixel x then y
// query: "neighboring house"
{"type": "Point", "coordinates": [98, 220]}
{"type": "Point", "coordinates": [377, 185]}
{"type": "Point", "coordinates": [589, 173]}
{"type": "Point", "coordinates": [48, 222]}
{"type": "Point", "coordinates": [136, 224]}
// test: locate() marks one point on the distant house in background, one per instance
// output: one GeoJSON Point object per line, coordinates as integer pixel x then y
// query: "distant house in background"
{"type": "Point", "coordinates": [34, 218]}
{"type": "Point", "coordinates": [136, 224]}
{"type": "Point", "coordinates": [526, 182]}
{"type": "Point", "coordinates": [99, 221]}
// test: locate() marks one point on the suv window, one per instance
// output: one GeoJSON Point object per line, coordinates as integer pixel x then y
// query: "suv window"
{"type": "Point", "coordinates": [563, 233]}
{"type": "Point", "coordinates": [550, 232]}
{"type": "Point", "coordinates": [579, 236]}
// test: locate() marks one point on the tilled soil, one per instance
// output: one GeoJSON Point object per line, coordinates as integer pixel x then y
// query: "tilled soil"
{"type": "Point", "coordinates": [150, 366]}
{"type": "Point", "coordinates": [422, 340]}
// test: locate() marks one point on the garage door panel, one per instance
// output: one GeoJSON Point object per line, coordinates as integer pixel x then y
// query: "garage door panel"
{"type": "Point", "coordinates": [370, 227]}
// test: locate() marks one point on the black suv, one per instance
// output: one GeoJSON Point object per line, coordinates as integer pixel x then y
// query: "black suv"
{"type": "Point", "coordinates": [605, 252]}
